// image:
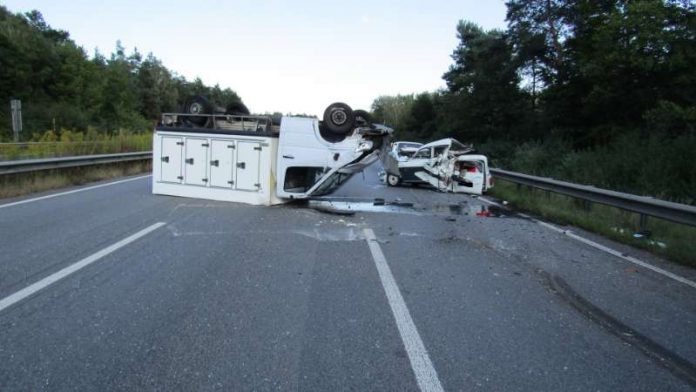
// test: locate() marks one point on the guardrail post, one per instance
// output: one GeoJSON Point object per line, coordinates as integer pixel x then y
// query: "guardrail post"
{"type": "Point", "coordinates": [642, 221]}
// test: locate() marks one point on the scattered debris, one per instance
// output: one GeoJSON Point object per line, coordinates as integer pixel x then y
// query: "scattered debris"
{"type": "Point", "coordinates": [351, 206]}
{"type": "Point", "coordinates": [642, 234]}
{"type": "Point", "coordinates": [333, 234]}
{"type": "Point", "coordinates": [658, 243]}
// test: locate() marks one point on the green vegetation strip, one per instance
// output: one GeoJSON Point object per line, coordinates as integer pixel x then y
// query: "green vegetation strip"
{"type": "Point", "coordinates": [70, 143]}
{"type": "Point", "coordinates": [674, 241]}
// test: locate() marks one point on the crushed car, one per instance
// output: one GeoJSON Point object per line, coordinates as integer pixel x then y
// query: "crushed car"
{"type": "Point", "coordinates": [446, 165]}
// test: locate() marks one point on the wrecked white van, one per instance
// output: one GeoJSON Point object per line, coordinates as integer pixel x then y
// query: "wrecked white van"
{"type": "Point", "coordinates": [256, 160]}
{"type": "Point", "coordinates": [446, 165]}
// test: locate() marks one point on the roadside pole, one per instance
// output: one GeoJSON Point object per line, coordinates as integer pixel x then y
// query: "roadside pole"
{"type": "Point", "coordinates": [16, 108]}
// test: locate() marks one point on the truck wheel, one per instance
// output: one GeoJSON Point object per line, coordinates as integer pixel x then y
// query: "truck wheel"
{"type": "Point", "coordinates": [197, 105]}
{"type": "Point", "coordinates": [338, 118]}
{"type": "Point", "coordinates": [237, 108]}
{"type": "Point", "coordinates": [393, 180]}
{"type": "Point", "coordinates": [362, 118]}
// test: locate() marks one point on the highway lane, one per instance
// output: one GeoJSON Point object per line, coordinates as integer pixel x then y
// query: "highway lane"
{"type": "Point", "coordinates": [234, 297]}
{"type": "Point", "coordinates": [40, 237]}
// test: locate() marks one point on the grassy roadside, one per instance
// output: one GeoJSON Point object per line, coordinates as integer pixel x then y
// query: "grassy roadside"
{"type": "Point", "coordinates": [26, 183]}
{"type": "Point", "coordinates": [674, 241]}
{"type": "Point", "coordinates": [69, 143]}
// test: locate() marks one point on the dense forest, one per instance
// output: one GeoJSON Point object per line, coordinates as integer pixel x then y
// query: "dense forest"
{"type": "Point", "coordinates": [601, 92]}
{"type": "Point", "coordinates": [63, 88]}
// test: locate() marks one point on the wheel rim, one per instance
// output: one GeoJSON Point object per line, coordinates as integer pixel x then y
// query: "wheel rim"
{"type": "Point", "coordinates": [195, 108]}
{"type": "Point", "coordinates": [393, 180]}
{"type": "Point", "coordinates": [339, 117]}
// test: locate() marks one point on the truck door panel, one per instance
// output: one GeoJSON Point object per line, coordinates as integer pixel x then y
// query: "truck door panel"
{"type": "Point", "coordinates": [247, 166]}
{"type": "Point", "coordinates": [170, 161]}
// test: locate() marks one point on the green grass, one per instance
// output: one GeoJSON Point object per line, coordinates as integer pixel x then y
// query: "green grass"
{"type": "Point", "coordinates": [26, 183]}
{"type": "Point", "coordinates": [674, 241]}
{"type": "Point", "coordinates": [72, 144]}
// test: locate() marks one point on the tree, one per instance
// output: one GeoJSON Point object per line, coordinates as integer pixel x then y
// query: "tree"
{"type": "Point", "coordinates": [421, 122]}
{"type": "Point", "coordinates": [483, 98]}
{"type": "Point", "coordinates": [392, 110]}
{"type": "Point", "coordinates": [61, 87]}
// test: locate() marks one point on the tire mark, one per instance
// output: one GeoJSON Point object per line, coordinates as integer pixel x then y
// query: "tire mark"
{"type": "Point", "coordinates": [673, 362]}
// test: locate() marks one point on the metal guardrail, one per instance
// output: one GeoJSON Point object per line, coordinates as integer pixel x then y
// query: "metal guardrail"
{"type": "Point", "coordinates": [29, 165]}
{"type": "Point", "coordinates": [646, 206]}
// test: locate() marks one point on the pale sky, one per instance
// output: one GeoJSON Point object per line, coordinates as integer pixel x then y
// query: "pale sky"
{"type": "Point", "coordinates": [286, 56]}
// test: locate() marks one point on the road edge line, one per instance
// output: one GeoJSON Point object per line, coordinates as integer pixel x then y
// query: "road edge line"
{"type": "Point", "coordinates": [67, 271]}
{"type": "Point", "coordinates": [604, 248]}
{"type": "Point", "coordinates": [72, 191]}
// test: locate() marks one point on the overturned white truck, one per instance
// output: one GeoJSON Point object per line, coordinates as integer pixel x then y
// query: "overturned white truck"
{"type": "Point", "coordinates": [446, 164]}
{"type": "Point", "coordinates": [256, 160]}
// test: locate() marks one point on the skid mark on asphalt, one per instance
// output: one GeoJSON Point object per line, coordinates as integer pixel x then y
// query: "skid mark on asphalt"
{"type": "Point", "coordinates": [422, 366]}
{"type": "Point", "coordinates": [678, 365]}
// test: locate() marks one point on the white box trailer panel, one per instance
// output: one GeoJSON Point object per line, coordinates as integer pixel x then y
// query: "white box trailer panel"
{"type": "Point", "coordinates": [196, 161]}
{"type": "Point", "coordinates": [169, 162]}
{"type": "Point", "coordinates": [248, 165]}
{"type": "Point", "coordinates": [222, 163]}
{"type": "Point", "coordinates": [215, 166]}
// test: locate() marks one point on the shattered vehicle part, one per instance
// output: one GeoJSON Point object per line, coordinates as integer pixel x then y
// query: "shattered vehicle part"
{"type": "Point", "coordinates": [402, 150]}
{"type": "Point", "coordinates": [341, 206]}
{"type": "Point", "coordinates": [457, 174]}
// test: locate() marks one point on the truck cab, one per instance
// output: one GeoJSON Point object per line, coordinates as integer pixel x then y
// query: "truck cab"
{"type": "Point", "coordinates": [310, 164]}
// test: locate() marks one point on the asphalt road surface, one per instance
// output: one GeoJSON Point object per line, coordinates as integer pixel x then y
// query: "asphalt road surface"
{"type": "Point", "coordinates": [115, 289]}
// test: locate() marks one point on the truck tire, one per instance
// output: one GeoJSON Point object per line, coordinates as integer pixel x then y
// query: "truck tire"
{"type": "Point", "coordinates": [338, 118]}
{"type": "Point", "coordinates": [393, 180]}
{"type": "Point", "coordinates": [197, 105]}
{"type": "Point", "coordinates": [362, 118]}
{"type": "Point", "coordinates": [237, 108]}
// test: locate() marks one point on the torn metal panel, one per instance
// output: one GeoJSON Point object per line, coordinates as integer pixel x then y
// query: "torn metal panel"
{"type": "Point", "coordinates": [456, 173]}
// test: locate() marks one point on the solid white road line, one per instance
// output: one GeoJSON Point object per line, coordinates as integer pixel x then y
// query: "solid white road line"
{"type": "Point", "coordinates": [631, 259]}
{"type": "Point", "coordinates": [606, 249]}
{"type": "Point", "coordinates": [89, 188]}
{"type": "Point", "coordinates": [614, 252]}
{"type": "Point", "coordinates": [425, 373]}
{"type": "Point", "coordinates": [29, 290]}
